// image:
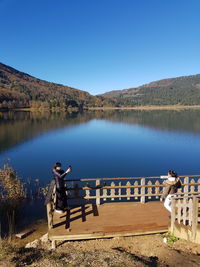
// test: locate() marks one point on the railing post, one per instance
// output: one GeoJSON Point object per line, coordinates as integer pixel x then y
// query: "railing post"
{"type": "Point", "coordinates": [97, 192]}
{"type": "Point", "coordinates": [50, 203]}
{"type": "Point", "coordinates": [49, 215]}
{"type": "Point", "coordinates": [194, 217]}
{"type": "Point", "coordinates": [54, 198]}
{"type": "Point", "coordinates": [142, 199]}
{"type": "Point", "coordinates": [53, 244]}
{"type": "Point", "coordinates": [120, 191]}
{"type": "Point", "coordinates": [186, 181]}
{"type": "Point", "coordinates": [173, 215]}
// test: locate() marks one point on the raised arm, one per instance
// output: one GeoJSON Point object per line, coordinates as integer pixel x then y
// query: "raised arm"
{"type": "Point", "coordinates": [68, 170]}
{"type": "Point", "coordinates": [58, 175]}
{"type": "Point", "coordinates": [164, 177]}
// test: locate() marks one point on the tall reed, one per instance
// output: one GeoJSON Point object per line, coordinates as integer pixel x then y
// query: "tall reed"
{"type": "Point", "coordinates": [11, 194]}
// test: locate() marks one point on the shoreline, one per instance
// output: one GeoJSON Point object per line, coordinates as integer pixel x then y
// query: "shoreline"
{"type": "Point", "coordinates": [171, 107]}
{"type": "Point", "coordinates": [153, 107]}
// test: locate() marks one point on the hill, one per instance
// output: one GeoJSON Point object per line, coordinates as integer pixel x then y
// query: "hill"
{"type": "Point", "coordinates": [20, 90]}
{"type": "Point", "coordinates": [183, 90]}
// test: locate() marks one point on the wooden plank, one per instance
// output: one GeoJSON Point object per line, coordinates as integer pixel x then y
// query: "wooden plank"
{"type": "Point", "coordinates": [125, 186]}
{"type": "Point", "coordinates": [136, 190]}
{"type": "Point", "coordinates": [184, 208]}
{"type": "Point", "coordinates": [186, 182]}
{"type": "Point", "coordinates": [50, 192]}
{"type": "Point", "coordinates": [112, 191]}
{"type": "Point", "coordinates": [179, 207]}
{"type": "Point", "coordinates": [119, 190]}
{"type": "Point", "coordinates": [24, 233]}
{"type": "Point", "coordinates": [130, 178]}
{"type": "Point", "coordinates": [101, 235]}
{"type": "Point", "coordinates": [128, 190]}
{"type": "Point", "coordinates": [157, 188]}
{"type": "Point", "coordinates": [50, 215]}
{"type": "Point", "coordinates": [139, 195]}
{"type": "Point", "coordinates": [190, 212]}
{"type": "Point", "coordinates": [98, 201]}
{"type": "Point", "coordinates": [105, 193]}
{"type": "Point", "coordinates": [199, 185]}
{"type": "Point", "coordinates": [194, 217]}
{"type": "Point", "coordinates": [142, 199]}
{"type": "Point", "coordinates": [149, 184]}
{"type": "Point", "coordinates": [173, 215]}
{"type": "Point", "coordinates": [192, 184]}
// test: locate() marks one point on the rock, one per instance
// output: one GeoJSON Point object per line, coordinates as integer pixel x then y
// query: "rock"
{"type": "Point", "coordinates": [33, 244]}
{"type": "Point", "coordinates": [37, 242]}
{"type": "Point", "coordinates": [44, 238]}
{"type": "Point", "coordinates": [165, 240]}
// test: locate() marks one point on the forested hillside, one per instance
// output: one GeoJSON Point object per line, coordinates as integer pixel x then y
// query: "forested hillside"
{"type": "Point", "coordinates": [20, 90]}
{"type": "Point", "coordinates": [176, 91]}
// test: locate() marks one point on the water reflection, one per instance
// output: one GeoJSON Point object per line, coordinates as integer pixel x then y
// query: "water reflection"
{"type": "Point", "coordinates": [102, 143]}
{"type": "Point", "coordinates": [179, 120]}
{"type": "Point", "coordinates": [18, 127]}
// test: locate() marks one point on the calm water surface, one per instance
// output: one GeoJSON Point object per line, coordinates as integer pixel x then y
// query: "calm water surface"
{"type": "Point", "coordinates": [101, 144]}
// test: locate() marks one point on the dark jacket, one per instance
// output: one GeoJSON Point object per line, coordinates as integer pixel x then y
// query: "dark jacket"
{"type": "Point", "coordinates": [59, 178]}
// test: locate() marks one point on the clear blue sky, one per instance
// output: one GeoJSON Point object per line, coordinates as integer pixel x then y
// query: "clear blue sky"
{"type": "Point", "coordinates": [101, 45]}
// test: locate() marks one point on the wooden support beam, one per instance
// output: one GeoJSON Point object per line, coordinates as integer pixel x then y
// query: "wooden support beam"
{"type": "Point", "coordinates": [98, 193]}
{"type": "Point", "coordinates": [194, 217]}
{"type": "Point", "coordinates": [142, 200]}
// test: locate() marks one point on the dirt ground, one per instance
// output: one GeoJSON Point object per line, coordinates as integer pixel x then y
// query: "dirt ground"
{"type": "Point", "coordinates": [148, 250]}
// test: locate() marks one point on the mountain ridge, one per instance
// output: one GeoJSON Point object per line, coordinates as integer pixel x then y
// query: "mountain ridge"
{"type": "Point", "coordinates": [21, 90]}
{"type": "Point", "coordinates": [157, 83]}
{"type": "Point", "coordinates": [183, 90]}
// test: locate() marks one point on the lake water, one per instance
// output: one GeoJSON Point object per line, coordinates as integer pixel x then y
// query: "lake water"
{"type": "Point", "coordinates": [101, 143]}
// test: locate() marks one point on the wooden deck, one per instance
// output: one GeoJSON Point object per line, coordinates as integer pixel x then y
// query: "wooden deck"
{"type": "Point", "coordinates": [110, 220]}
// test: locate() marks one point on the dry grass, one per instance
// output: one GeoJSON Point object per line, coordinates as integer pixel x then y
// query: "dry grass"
{"type": "Point", "coordinates": [11, 194]}
{"type": "Point", "coordinates": [10, 187]}
{"type": "Point", "coordinates": [116, 252]}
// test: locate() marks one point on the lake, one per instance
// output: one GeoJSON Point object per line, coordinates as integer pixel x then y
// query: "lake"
{"type": "Point", "coordinates": [110, 143]}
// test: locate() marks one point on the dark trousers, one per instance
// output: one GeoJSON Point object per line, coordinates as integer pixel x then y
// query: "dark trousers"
{"type": "Point", "coordinates": [61, 199]}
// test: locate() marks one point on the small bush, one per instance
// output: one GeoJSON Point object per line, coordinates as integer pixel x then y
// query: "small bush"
{"type": "Point", "coordinates": [171, 238]}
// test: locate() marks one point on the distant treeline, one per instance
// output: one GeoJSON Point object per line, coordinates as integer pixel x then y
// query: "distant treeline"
{"type": "Point", "coordinates": [161, 96]}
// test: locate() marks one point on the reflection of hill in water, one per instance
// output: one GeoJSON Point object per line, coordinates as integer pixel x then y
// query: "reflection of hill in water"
{"type": "Point", "coordinates": [171, 120]}
{"type": "Point", "coordinates": [17, 127]}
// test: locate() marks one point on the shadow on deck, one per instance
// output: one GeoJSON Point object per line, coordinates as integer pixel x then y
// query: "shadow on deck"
{"type": "Point", "coordinates": [110, 220]}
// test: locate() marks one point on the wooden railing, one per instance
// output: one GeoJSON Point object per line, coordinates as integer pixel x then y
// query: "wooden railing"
{"type": "Point", "coordinates": [185, 211]}
{"type": "Point", "coordinates": [140, 189]}
{"type": "Point", "coordinates": [133, 188]}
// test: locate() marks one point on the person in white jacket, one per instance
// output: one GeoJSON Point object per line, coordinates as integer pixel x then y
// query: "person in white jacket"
{"type": "Point", "coordinates": [171, 186]}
